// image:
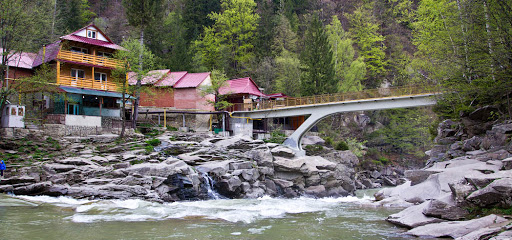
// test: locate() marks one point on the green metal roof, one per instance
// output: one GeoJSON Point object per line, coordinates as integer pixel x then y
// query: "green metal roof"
{"type": "Point", "coordinates": [94, 92]}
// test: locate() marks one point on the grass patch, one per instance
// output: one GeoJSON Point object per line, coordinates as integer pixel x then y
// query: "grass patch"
{"type": "Point", "coordinates": [154, 142]}
{"type": "Point", "coordinates": [149, 148]}
{"type": "Point", "coordinates": [171, 128]}
{"type": "Point", "coordinates": [138, 161]}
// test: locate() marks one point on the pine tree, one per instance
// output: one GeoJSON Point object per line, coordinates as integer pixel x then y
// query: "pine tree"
{"type": "Point", "coordinates": [364, 29]}
{"type": "Point", "coordinates": [318, 70]}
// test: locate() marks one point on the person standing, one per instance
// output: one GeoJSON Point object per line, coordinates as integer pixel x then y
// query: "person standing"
{"type": "Point", "coordinates": [2, 168]}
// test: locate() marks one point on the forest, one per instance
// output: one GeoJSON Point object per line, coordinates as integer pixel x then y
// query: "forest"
{"type": "Point", "coordinates": [302, 47]}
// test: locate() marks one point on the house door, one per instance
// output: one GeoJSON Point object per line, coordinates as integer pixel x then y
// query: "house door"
{"type": "Point", "coordinates": [76, 75]}
{"type": "Point", "coordinates": [73, 109]}
{"type": "Point", "coordinates": [101, 78]}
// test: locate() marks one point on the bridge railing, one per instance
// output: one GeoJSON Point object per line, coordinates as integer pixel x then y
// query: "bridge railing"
{"type": "Point", "coordinates": [338, 97]}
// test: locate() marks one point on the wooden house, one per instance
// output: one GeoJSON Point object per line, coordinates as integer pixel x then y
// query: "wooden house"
{"type": "Point", "coordinates": [174, 90]}
{"type": "Point", "coordinates": [83, 62]}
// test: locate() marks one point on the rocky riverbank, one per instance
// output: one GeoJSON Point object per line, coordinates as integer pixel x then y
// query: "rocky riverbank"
{"type": "Point", "coordinates": [182, 167]}
{"type": "Point", "coordinates": [465, 192]}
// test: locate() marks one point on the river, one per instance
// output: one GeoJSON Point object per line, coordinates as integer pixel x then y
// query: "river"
{"type": "Point", "coordinates": [43, 217]}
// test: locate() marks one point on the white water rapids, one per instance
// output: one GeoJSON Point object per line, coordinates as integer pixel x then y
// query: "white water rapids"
{"type": "Point", "coordinates": [238, 210]}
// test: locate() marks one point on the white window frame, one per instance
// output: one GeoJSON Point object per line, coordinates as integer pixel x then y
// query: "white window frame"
{"type": "Point", "coordinates": [103, 83]}
{"type": "Point", "coordinates": [74, 78]}
{"type": "Point", "coordinates": [92, 34]}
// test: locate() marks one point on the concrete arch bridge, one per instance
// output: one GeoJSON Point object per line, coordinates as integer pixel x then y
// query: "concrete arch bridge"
{"type": "Point", "coordinates": [316, 108]}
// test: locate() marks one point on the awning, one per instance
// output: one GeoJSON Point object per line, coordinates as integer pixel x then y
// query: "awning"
{"type": "Point", "coordinates": [84, 91]}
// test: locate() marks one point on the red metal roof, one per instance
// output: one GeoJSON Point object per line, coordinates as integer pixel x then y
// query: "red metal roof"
{"type": "Point", "coordinates": [191, 80]}
{"type": "Point", "coordinates": [151, 78]}
{"type": "Point", "coordinates": [91, 41]}
{"type": "Point", "coordinates": [241, 86]}
{"type": "Point", "coordinates": [277, 95]}
{"type": "Point", "coordinates": [20, 59]}
{"type": "Point", "coordinates": [74, 37]}
{"type": "Point", "coordinates": [171, 79]}
{"type": "Point", "coordinates": [49, 54]}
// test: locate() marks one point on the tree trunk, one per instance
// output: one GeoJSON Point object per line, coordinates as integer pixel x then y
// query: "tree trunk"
{"type": "Point", "coordinates": [489, 39]}
{"type": "Point", "coordinates": [139, 82]}
{"type": "Point", "coordinates": [464, 37]}
{"type": "Point", "coordinates": [123, 110]}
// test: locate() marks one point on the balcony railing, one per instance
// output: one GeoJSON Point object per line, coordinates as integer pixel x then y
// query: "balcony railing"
{"type": "Point", "coordinates": [88, 59]}
{"type": "Point", "coordinates": [86, 83]}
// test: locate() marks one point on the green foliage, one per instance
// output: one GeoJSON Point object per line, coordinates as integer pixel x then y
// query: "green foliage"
{"type": "Point", "coordinates": [356, 147]}
{"type": "Point", "coordinates": [219, 80]}
{"type": "Point", "coordinates": [314, 149]}
{"type": "Point", "coordinates": [276, 136]}
{"type": "Point", "coordinates": [405, 131]}
{"type": "Point", "coordinates": [138, 161]}
{"type": "Point", "coordinates": [73, 14]}
{"type": "Point", "coordinates": [288, 74]}
{"type": "Point", "coordinates": [318, 69]}
{"type": "Point", "coordinates": [167, 40]}
{"type": "Point", "coordinates": [142, 13]}
{"type": "Point", "coordinates": [341, 146]}
{"type": "Point", "coordinates": [329, 141]}
{"type": "Point", "coordinates": [171, 128]}
{"type": "Point", "coordinates": [365, 31]}
{"type": "Point", "coordinates": [149, 149]}
{"type": "Point", "coordinates": [231, 38]}
{"type": "Point", "coordinates": [348, 70]}
{"type": "Point", "coordinates": [153, 142]}
{"type": "Point", "coordinates": [195, 16]}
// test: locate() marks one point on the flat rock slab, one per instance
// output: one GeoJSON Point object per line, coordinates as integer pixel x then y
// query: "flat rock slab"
{"type": "Point", "coordinates": [412, 217]}
{"type": "Point", "coordinates": [455, 229]}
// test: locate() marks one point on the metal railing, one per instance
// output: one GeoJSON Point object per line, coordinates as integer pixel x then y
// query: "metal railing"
{"type": "Point", "coordinates": [86, 83]}
{"type": "Point", "coordinates": [88, 59]}
{"type": "Point", "coordinates": [337, 97]}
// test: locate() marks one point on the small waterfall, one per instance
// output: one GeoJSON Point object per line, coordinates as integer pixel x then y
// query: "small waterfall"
{"type": "Point", "coordinates": [209, 182]}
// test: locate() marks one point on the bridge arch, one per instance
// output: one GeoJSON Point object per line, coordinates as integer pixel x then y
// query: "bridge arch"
{"type": "Point", "coordinates": [317, 112]}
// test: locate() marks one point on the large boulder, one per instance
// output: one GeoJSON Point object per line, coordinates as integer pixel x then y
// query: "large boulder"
{"type": "Point", "coordinates": [282, 151]}
{"type": "Point", "coordinates": [217, 168]}
{"type": "Point", "coordinates": [498, 193]}
{"type": "Point", "coordinates": [160, 169]}
{"type": "Point", "coordinates": [455, 229]}
{"type": "Point", "coordinates": [413, 217]}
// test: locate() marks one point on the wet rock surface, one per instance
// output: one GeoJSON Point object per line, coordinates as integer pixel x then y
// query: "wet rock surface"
{"type": "Point", "coordinates": [185, 166]}
{"type": "Point", "coordinates": [452, 195]}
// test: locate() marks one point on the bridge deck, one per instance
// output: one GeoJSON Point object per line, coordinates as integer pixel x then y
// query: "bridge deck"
{"type": "Point", "coordinates": [371, 94]}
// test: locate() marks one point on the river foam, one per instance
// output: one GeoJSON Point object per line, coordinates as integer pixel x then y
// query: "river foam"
{"type": "Point", "coordinates": [231, 210]}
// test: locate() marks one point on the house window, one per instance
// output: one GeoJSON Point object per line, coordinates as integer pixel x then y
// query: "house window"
{"type": "Point", "coordinates": [105, 54]}
{"type": "Point", "coordinates": [79, 50]}
{"type": "Point", "coordinates": [76, 74]}
{"type": "Point", "coordinates": [91, 34]}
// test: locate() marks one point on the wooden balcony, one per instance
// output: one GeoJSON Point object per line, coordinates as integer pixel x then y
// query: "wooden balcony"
{"type": "Point", "coordinates": [86, 83]}
{"type": "Point", "coordinates": [88, 59]}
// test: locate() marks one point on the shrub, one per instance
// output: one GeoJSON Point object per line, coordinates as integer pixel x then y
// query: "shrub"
{"type": "Point", "coordinates": [329, 141]}
{"type": "Point", "coordinates": [341, 145]}
{"type": "Point", "coordinates": [313, 149]}
{"type": "Point", "coordinates": [171, 128]}
{"type": "Point", "coordinates": [276, 137]}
